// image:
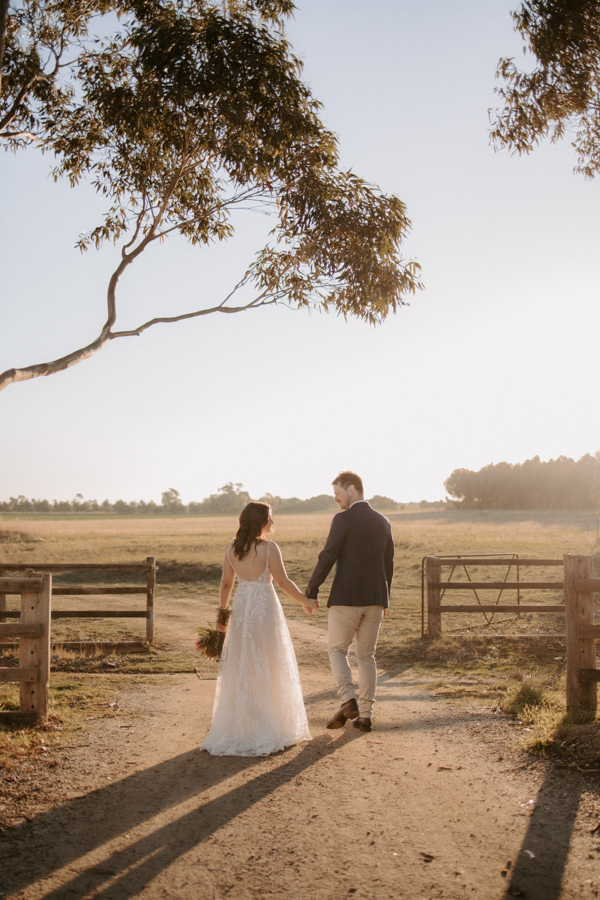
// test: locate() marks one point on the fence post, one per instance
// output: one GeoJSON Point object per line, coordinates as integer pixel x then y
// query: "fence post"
{"type": "Point", "coordinates": [150, 583]}
{"type": "Point", "coordinates": [581, 652]}
{"type": "Point", "coordinates": [2, 600]}
{"type": "Point", "coordinates": [433, 577]}
{"type": "Point", "coordinates": [35, 651]}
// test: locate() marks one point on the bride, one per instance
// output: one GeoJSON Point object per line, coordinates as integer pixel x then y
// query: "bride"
{"type": "Point", "coordinates": [258, 708]}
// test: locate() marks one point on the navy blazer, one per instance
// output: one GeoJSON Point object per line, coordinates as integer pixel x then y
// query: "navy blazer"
{"type": "Point", "coordinates": [360, 544]}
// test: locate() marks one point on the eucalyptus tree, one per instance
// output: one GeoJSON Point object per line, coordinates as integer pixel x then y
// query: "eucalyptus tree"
{"type": "Point", "coordinates": [181, 112]}
{"type": "Point", "coordinates": [561, 93]}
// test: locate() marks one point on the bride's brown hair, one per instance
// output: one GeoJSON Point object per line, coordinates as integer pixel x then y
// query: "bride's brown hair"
{"type": "Point", "coordinates": [253, 519]}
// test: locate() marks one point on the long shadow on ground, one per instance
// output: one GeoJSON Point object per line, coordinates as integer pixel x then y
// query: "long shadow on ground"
{"type": "Point", "coordinates": [540, 867]}
{"type": "Point", "coordinates": [112, 811]}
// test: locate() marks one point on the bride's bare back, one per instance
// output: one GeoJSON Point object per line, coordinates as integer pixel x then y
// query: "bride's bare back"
{"type": "Point", "coordinates": [253, 564]}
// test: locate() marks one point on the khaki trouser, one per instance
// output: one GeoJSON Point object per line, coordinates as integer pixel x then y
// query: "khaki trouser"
{"type": "Point", "coordinates": [345, 624]}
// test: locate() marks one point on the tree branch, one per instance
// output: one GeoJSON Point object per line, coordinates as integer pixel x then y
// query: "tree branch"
{"type": "Point", "coordinates": [3, 26]}
{"type": "Point", "coordinates": [165, 203]}
{"type": "Point", "coordinates": [254, 304]}
{"type": "Point", "coordinates": [138, 227]}
{"type": "Point", "coordinates": [12, 376]}
{"type": "Point", "coordinates": [24, 135]}
{"type": "Point", "coordinates": [12, 112]}
{"type": "Point", "coordinates": [243, 197]}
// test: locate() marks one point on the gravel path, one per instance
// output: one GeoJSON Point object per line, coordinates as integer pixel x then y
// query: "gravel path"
{"type": "Point", "coordinates": [433, 803]}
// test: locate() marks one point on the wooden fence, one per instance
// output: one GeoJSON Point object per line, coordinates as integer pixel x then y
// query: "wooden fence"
{"type": "Point", "coordinates": [33, 631]}
{"type": "Point", "coordinates": [147, 587]}
{"type": "Point", "coordinates": [581, 631]}
{"type": "Point", "coordinates": [436, 588]}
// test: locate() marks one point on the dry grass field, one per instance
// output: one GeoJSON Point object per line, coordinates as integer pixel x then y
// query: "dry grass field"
{"type": "Point", "coordinates": [508, 659]}
{"type": "Point", "coordinates": [189, 553]}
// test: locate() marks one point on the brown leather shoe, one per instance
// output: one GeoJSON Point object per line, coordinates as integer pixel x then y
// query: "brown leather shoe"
{"type": "Point", "coordinates": [348, 710]}
{"type": "Point", "coordinates": [362, 724]}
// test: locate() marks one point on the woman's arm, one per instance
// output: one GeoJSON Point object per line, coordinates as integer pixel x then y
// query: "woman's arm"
{"type": "Point", "coordinates": [285, 583]}
{"type": "Point", "coordinates": [227, 582]}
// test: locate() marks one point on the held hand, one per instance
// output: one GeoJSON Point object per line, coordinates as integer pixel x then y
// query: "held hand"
{"type": "Point", "coordinates": [220, 627]}
{"type": "Point", "coordinates": [314, 601]}
{"type": "Point", "coordinates": [310, 605]}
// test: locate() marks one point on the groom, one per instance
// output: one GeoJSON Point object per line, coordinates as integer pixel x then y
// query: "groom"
{"type": "Point", "coordinates": [361, 546]}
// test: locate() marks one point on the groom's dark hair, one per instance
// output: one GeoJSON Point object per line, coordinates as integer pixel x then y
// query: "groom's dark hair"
{"type": "Point", "coordinates": [345, 479]}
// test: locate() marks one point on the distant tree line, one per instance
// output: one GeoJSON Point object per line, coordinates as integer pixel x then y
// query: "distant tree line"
{"type": "Point", "coordinates": [561, 483]}
{"type": "Point", "coordinates": [229, 500]}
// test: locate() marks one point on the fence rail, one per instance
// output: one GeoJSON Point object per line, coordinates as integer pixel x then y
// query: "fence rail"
{"type": "Point", "coordinates": [435, 588]}
{"type": "Point", "coordinates": [494, 560]}
{"type": "Point", "coordinates": [147, 568]}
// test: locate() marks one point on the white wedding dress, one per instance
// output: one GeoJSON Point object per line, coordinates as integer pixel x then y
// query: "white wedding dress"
{"type": "Point", "coordinates": [258, 708]}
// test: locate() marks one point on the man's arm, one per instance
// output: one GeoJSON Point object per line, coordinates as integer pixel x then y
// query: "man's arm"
{"type": "Point", "coordinates": [389, 560]}
{"type": "Point", "coordinates": [327, 556]}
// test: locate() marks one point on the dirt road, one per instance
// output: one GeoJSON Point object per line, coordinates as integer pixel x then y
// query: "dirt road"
{"type": "Point", "coordinates": [433, 803]}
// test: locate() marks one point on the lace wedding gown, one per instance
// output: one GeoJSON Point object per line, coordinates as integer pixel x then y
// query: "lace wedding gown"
{"type": "Point", "coordinates": [259, 708]}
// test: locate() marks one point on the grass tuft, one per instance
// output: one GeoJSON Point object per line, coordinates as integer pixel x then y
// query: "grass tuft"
{"type": "Point", "coordinates": [523, 699]}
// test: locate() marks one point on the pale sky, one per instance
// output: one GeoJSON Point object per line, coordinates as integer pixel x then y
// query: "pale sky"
{"type": "Point", "coordinates": [496, 360]}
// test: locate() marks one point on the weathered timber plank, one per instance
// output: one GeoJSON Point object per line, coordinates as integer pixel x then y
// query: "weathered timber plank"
{"type": "Point", "coordinates": [487, 561]}
{"type": "Point", "coordinates": [20, 630]}
{"type": "Point", "coordinates": [83, 614]}
{"type": "Point", "coordinates": [15, 585]}
{"type": "Point", "coordinates": [498, 585]}
{"type": "Point", "coordinates": [72, 567]}
{"type": "Point", "coordinates": [74, 590]}
{"type": "Point", "coordinates": [588, 632]}
{"type": "Point", "coordinates": [33, 651]}
{"type": "Point", "coordinates": [433, 574]}
{"type": "Point", "coordinates": [514, 608]}
{"type": "Point", "coordinates": [17, 718]}
{"type": "Point", "coordinates": [83, 589]}
{"type": "Point", "coordinates": [589, 676]}
{"type": "Point", "coordinates": [579, 612]}
{"type": "Point", "coordinates": [14, 673]}
{"type": "Point", "coordinates": [587, 585]}
{"type": "Point", "coordinates": [99, 614]}
{"type": "Point", "coordinates": [150, 585]}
